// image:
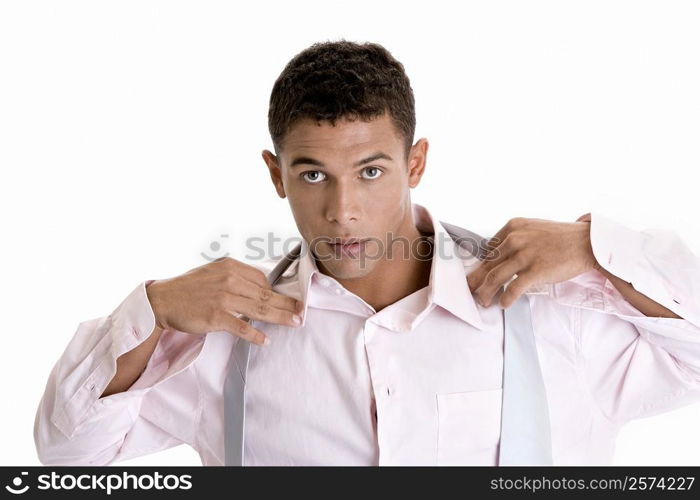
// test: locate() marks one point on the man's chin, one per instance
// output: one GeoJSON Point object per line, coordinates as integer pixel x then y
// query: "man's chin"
{"type": "Point", "coordinates": [347, 269]}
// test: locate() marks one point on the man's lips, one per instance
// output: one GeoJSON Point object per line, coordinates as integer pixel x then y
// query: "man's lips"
{"type": "Point", "coordinates": [351, 247]}
{"type": "Point", "coordinates": [346, 242]}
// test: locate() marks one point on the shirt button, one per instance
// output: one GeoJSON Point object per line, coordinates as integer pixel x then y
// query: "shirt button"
{"type": "Point", "coordinates": [325, 281]}
{"type": "Point", "coordinates": [107, 402]}
{"type": "Point", "coordinates": [339, 291]}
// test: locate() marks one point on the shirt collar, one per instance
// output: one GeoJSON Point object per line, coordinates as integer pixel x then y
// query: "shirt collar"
{"type": "Point", "coordinates": [447, 287]}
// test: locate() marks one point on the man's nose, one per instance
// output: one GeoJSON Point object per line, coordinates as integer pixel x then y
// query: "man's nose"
{"type": "Point", "coordinates": [343, 205]}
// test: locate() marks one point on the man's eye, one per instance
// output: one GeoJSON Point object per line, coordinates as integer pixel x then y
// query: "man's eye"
{"type": "Point", "coordinates": [375, 172]}
{"type": "Point", "coordinates": [313, 176]}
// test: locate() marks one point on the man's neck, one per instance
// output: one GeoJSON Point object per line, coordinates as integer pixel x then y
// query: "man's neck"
{"type": "Point", "coordinates": [393, 279]}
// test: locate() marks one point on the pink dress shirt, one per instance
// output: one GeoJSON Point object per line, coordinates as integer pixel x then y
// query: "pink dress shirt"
{"type": "Point", "coordinates": [417, 383]}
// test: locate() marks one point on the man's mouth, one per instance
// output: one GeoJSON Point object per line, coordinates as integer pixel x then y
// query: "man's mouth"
{"type": "Point", "coordinates": [349, 247]}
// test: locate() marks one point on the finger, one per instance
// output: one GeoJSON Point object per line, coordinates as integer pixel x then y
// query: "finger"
{"type": "Point", "coordinates": [501, 235]}
{"type": "Point", "coordinates": [516, 288]}
{"type": "Point", "coordinates": [493, 259]}
{"type": "Point", "coordinates": [262, 310]}
{"type": "Point", "coordinates": [474, 278]}
{"type": "Point", "coordinates": [236, 326]}
{"type": "Point", "coordinates": [495, 279]}
{"type": "Point", "coordinates": [243, 270]}
{"type": "Point", "coordinates": [265, 293]}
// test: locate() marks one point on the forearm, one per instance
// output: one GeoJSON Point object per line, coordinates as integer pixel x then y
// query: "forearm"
{"type": "Point", "coordinates": [131, 365]}
{"type": "Point", "coordinates": [640, 301]}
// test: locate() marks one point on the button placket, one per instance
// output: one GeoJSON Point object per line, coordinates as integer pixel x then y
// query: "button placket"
{"type": "Point", "coordinates": [383, 389]}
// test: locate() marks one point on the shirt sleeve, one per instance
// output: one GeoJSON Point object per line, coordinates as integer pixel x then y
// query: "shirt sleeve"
{"type": "Point", "coordinates": [635, 365]}
{"type": "Point", "coordinates": [74, 426]}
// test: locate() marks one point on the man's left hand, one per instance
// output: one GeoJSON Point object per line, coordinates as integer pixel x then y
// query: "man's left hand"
{"type": "Point", "coordinates": [538, 251]}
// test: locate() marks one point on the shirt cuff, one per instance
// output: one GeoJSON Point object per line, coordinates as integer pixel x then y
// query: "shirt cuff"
{"type": "Point", "coordinates": [128, 326]}
{"type": "Point", "coordinates": [656, 262]}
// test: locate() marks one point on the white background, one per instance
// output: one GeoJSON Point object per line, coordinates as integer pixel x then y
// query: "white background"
{"type": "Point", "coordinates": [131, 132]}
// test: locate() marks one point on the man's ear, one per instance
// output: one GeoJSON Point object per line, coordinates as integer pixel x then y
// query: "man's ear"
{"type": "Point", "coordinates": [275, 172]}
{"type": "Point", "coordinates": [417, 158]}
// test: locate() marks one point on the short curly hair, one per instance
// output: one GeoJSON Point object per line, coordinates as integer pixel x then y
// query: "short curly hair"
{"type": "Point", "coordinates": [342, 79]}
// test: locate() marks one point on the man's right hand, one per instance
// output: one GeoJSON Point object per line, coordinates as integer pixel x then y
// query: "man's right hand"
{"type": "Point", "coordinates": [211, 297]}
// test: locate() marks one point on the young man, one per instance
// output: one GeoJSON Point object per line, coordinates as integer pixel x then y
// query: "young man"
{"type": "Point", "coordinates": [382, 343]}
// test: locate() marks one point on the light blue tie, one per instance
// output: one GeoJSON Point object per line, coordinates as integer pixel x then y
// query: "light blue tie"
{"type": "Point", "coordinates": [525, 429]}
{"type": "Point", "coordinates": [234, 385]}
{"type": "Point", "coordinates": [525, 426]}
{"type": "Point", "coordinates": [234, 404]}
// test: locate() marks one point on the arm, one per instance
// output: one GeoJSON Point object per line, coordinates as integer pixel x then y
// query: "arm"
{"type": "Point", "coordinates": [131, 364]}
{"type": "Point", "coordinates": [640, 301]}
{"type": "Point", "coordinates": [75, 426]}
{"type": "Point", "coordinates": [636, 363]}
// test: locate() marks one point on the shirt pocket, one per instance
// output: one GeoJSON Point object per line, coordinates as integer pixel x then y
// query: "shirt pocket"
{"type": "Point", "coordinates": [469, 427]}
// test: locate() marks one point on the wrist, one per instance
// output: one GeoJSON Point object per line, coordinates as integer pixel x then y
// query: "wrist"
{"type": "Point", "coordinates": [153, 288]}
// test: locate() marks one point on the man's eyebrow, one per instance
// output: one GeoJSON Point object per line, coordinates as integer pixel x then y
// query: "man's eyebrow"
{"type": "Point", "coordinates": [305, 160]}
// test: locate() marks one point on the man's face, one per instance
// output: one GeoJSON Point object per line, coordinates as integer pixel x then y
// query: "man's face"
{"type": "Point", "coordinates": [348, 181]}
